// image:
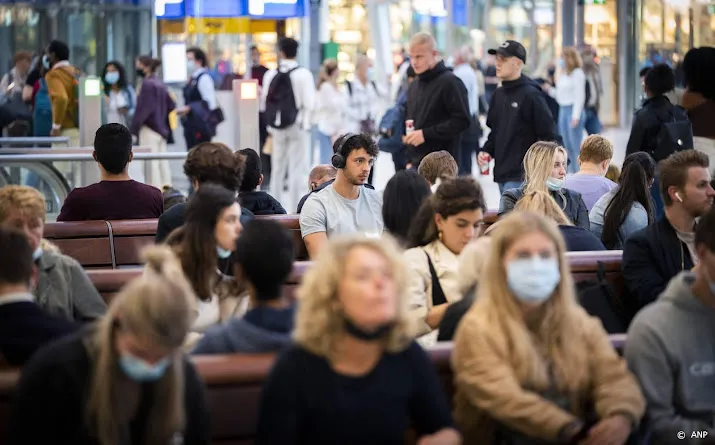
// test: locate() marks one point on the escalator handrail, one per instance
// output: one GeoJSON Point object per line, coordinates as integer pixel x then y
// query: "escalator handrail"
{"type": "Point", "coordinates": [35, 140]}
{"type": "Point", "coordinates": [23, 158]}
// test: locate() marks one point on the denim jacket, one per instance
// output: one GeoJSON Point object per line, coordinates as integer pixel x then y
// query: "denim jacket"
{"type": "Point", "coordinates": [636, 219]}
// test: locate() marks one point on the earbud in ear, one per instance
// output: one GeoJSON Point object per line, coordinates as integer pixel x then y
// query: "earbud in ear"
{"type": "Point", "coordinates": [677, 195]}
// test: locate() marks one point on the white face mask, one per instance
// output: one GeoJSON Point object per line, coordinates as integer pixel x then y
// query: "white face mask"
{"type": "Point", "coordinates": [554, 184]}
{"type": "Point", "coordinates": [191, 66]}
{"type": "Point", "coordinates": [37, 254]}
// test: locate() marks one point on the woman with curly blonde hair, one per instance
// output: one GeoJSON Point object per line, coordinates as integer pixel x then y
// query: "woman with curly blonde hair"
{"type": "Point", "coordinates": [354, 375]}
{"type": "Point", "coordinates": [530, 365]}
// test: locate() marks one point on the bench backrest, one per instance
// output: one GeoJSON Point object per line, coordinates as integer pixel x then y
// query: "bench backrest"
{"type": "Point", "coordinates": [233, 385]}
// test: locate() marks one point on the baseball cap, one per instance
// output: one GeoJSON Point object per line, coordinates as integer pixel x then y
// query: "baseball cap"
{"type": "Point", "coordinates": [510, 48]}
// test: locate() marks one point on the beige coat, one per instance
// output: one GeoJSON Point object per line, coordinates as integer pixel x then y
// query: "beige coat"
{"type": "Point", "coordinates": [487, 390]}
{"type": "Point", "coordinates": [419, 284]}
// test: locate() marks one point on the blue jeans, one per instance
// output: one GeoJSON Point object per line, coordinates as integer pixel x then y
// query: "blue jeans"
{"type": "Point", "coordinates": [572, 136]}
{"type": "Point", "coordinates": [592, 122]}
{"type": "Point", "coordinates": [326, 147]}
{"type": "Point", "coordinates": [503, 186]}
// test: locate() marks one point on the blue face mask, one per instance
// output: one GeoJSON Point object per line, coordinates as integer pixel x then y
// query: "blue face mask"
{"type": "Point", "coordinates": [561, 63]}
{"type": "Point", "coordinates": [554, 184]}
{"type": "Point", "coordinates": [140, 371]}
{"type": "Point", "coordinates": [223, 253]}
{"type": "Point", "coordinates": [111, 77]}
{"type": "Point", "coordinates": [46, 62]}
{"type": "Point", "coordinates": [37, 254]}
{"type": "Point", "coordinates": [371, 73]}
{"type": "Point", "coordinates": [533, 280]}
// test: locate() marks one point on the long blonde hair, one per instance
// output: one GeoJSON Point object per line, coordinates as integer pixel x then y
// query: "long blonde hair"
{"type": "Point", "coordinates": [557, 339]}
{"type": "Point", "coordinates": [158, 307]}
{"type": "Point", "coordinates": [538, 164]}
{"type": "Point", "coordinates": [327, 71]}
{"type": "Point", "coordinates": [543, 203]}
{"type": "Point", "coordinates": [572, 59]}
{"type": "Point", "coordinates": [319, 321]}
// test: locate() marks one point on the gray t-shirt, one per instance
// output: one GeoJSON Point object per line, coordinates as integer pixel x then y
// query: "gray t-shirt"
{"type": "Point", "coordinates": [327, 211]}
{"type": "Point", "coordinates": [591, 187]}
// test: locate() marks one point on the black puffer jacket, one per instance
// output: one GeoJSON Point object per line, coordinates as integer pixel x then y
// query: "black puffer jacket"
{"type": "Point", "coordinates": [648, 121]}
{"type": "Point", "coordinates": [570, 202]}
{"type": "Point", "coordinates": [260, 203]}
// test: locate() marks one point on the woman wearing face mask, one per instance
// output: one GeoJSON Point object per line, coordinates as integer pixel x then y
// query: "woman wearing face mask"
{"type": "Point", "coordinates": [531, 367]}
{"type": "Point", "coordinates": [447, 221]}
{"type": "Point", "coordinates": [150, 122]}
{"type": "Point", "coordinates": [545, 170]}
{"type": "Point", "coordinates": [120, 98]}
{"type": "Point", "coordinates": [204, 245]}
{"type": "Point", "coordinates": [63, 287]}
{"type": "Point", "coordinates": [570, 93]}
{"type": "Point", "coordinates": [328, 112]}
{"type": "Point", "coordinates": [354, 375]}
{"type": "Point", "coordinates": [123, 381]}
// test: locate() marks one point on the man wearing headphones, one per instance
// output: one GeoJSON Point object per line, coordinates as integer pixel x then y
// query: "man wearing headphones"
{"type": "Point", "coordinates": [346, 205]}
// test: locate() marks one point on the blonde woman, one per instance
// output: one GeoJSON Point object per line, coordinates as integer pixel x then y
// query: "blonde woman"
{"type": "Point", "coordinates": [528, 360]}
{"type": "Point", "coordinates": [544, 171]}
{"type": "Point", "coordinates": [570, 93]}
{"type": "Point", "coordinates": [126, 379]}
{"type": "Point", "coordinates": [329, 109]}
{"type": "Point", "coordinates": [577, 238]}
{"type": "Point", "coordinates": [354, 375]}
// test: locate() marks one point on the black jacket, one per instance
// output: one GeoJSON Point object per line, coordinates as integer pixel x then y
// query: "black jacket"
{"type": "Point", "coordinates": [579, 239]}
{"type": "Point", "coordinates": [651, 258]}
{"type": "Point", "coordinates": [573, 207]}
{"type": "Point", "coordinates": [260, 203]}
{"type": "Point", "coordinates": [174, 218]}
{"type": "Point", "coordinates": [54, 386]}
{"type": "Point", "coordinates": [437, 102]}
{"type": "Point", "coordinates": [518, 116]}
{"type": "Point", "coordinates": [648, 120]}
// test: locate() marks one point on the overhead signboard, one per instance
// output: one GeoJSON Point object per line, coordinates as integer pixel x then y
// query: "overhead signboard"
{"type": "Point", "coordinates": [269, 9]}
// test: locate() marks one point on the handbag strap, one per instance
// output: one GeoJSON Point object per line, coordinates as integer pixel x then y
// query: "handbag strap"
{"type": "Point", "coordinates": [438, 296]}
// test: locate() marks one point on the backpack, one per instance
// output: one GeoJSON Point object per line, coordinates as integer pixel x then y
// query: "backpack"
{"type": "Point", "coordinates": [601, 300]}
{"type": "Point", "coordinates": [391, 129]}
{"type": "Point", "coordinates": [349, 86]}
{"type": "Point", "coordinates": [281, 109]}
{"type": "Point", "coordinates": [588, 93]}
{"type": "Point", "coordinates": [673, 136]}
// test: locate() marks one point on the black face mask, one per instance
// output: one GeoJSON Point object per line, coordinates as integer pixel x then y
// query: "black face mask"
{"type": "Point", "coordinates": [376, 334]}
{"type": "Point", "coordinates": [140, 72]}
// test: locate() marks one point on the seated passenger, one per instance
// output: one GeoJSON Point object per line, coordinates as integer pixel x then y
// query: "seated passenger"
{"type": "Point", "coordinates": [63, 287]}
{"type": "Point", "coordinates": [345, 206]}
{"type": "Point", "coordinates": [116, 196]}
{"type": "Point", "coordinates": [530, 366]}
{"type": "Point", "coordinates": [671, 349]}
{"type": "Point", "coordinates": [654, 255]}
{"type": "Point", "coordinates": [613, 173]}
{"type": "Point", "coordinates": [436, 167]}
{"type": "Point", "coordinates": [24, 326]}
{"type": "Point", "coordinates": [404, 194]}
{"type": "Point", "coordinates": [207, 162]}
{"type": "Point", "coordinates": [593, 160]}
{"type": "Point", "coordinates": [577, 239]}
{"type": "Point", "coordinates": [354, 375]}
{"type": "Point", "coordinates": [263, 259]}
{"type": "Point", "coordinates": [211, 229]}
{"type": "Point", "coordinates": [320, 177]}
{"type": "Point", "coordinates": [629, 208]}
{"type": "Point", "coordinates": [172, 197]}
{"type": "Point", "coordinates": [545, 170]}
{"type": "Point", "coordinates": [257, 201]}
{"type": "Point", "coordinates": [447, 221]}
{"type": "Point", "coordinates": [123, 381]}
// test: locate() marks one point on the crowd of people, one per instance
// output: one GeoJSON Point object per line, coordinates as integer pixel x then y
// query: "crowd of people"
{"type": "Point", "coordinates": [392, 273]}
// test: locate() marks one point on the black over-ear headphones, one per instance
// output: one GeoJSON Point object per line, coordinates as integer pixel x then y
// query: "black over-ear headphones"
{"type": "Point", "coordinates": [338, 160]}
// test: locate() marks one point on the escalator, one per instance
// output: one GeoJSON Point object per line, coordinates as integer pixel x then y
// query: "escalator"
{"type": "Point", "coordinates": [42, 176]}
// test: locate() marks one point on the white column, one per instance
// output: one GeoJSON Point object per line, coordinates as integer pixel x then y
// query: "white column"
{"type": "Point", "coordinates": [378, 14]}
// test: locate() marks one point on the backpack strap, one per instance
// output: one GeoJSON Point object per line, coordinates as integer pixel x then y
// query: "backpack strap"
{"type": "Point", "coordinates": [438, 296]}
{"type": "Point", "coordinates": [349, 85]}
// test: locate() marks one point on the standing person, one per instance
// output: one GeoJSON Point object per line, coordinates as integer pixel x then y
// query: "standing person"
{"type": "Point", "coordinates": [470, 138]}
{"type": "Point", "coordinates": [361, 99]}
{"type": "Point", "coordinates": [594, 90]}
{"type": "Point", "coordinates": [570, 93]}
{"type": "Point", "coordinates": [151, 117]}
{"type": "Point", "coordinates": [200, 104]}
{"type": "Point", "coordinates": [119, 96]}
{"type": "Point", "coordinates": [699, 98]}
{"type": "Point", "coordinates": [125, 380]}
{"type": "Point", "coordinates": [436, 103]}
{"type": "Point", "coordinates": [518, 116]}
{"type": "Point", "coordinates": [289, 95]}
{"type": "Point", "coordinates": [329, 108]}
{"type": "Point", "coordinates": [491, 81]}
{"type": "Point", "coordinates": [62, 84]}
{"type": "Point", "coordinates": [257, 72]}
{"type": "Point", "coordinates": [15, 112]}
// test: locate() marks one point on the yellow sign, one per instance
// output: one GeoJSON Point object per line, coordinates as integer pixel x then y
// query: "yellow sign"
{"type": "Point", "coordinates": [218, 25]}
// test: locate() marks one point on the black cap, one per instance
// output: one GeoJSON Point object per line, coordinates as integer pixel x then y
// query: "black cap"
{"type": "Point", "coordinates": [510, 48]}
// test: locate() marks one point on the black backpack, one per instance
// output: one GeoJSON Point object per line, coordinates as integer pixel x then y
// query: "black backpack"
{"type": "Point", "coordinates": [281, 109]}
{"type": "Point", "coordinates": [673, 136]}
{"type": "Point", "coordinates": [600, 299]}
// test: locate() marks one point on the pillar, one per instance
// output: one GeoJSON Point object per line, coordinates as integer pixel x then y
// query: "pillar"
{"type": "Point", "coordinates": [378, 14]}
{"type": "Point", "coordinates": [568, 22]}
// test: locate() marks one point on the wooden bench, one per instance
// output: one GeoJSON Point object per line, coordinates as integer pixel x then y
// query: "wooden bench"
{"type": "Point", "coordinates": [117, 244]}
{"type": "Point", "coordinates": [233, 385]}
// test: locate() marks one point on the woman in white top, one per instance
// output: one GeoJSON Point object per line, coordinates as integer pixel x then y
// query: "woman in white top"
{"type": "Point", "coordinates": [570, 93]}
{"type": "Point", "coordinates": [329, 109]}
{"type": "Point", "coordinates": [444, 225]}
{"type": "Point", "coordinates": [212, 226]}
{"type": "Point", "coordinates": [119, 95]}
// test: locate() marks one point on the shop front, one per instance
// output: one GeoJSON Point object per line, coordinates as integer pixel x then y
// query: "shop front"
{"type": "Point", "coordinates": [95, 31]}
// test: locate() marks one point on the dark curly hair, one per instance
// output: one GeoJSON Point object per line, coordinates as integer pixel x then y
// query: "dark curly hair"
{"type": "Point", "coordinates": [215, 162]}
{"type": "Point", "coordinates": [452, 197]}
{"type": "Point", "coordinates": [356, 142]}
